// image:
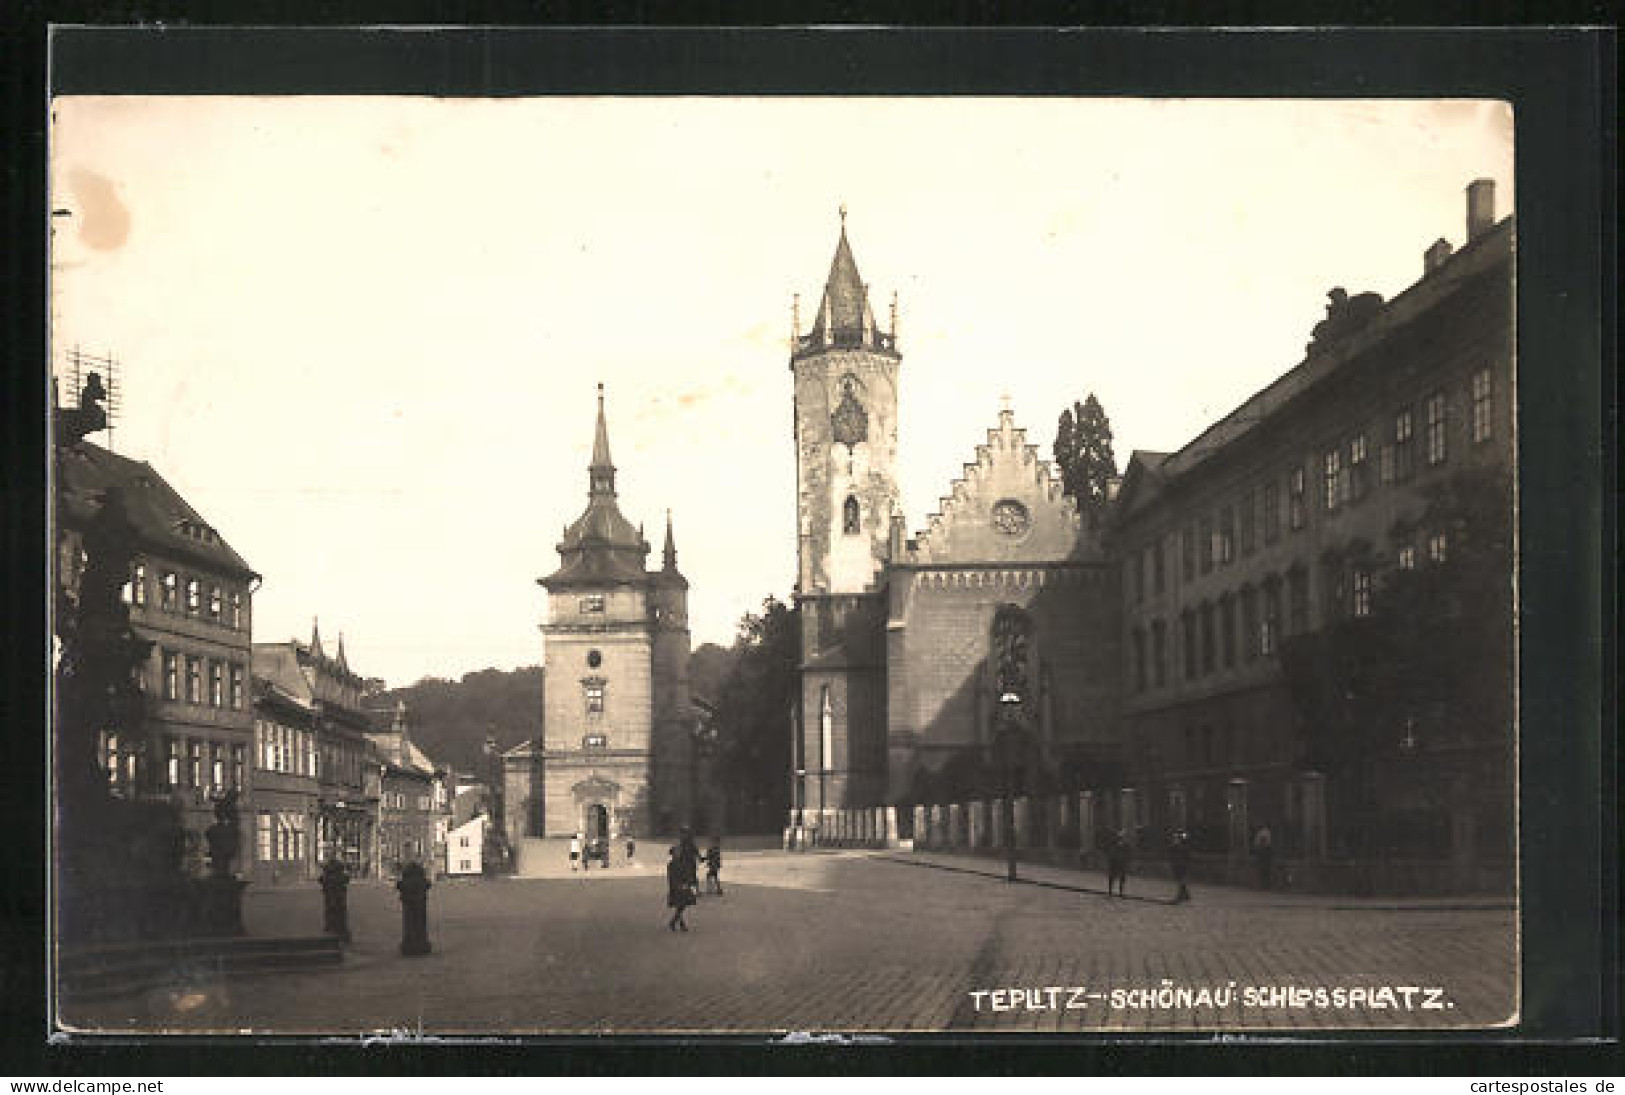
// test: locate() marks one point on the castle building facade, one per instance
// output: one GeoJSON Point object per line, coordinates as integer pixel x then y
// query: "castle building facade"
{"type": "Point", "coordinates": [615, 755]}
{"type": "Point", "coordinates": [1239, 645]}
{"type": "Point", "coordinates": [1277, 529]}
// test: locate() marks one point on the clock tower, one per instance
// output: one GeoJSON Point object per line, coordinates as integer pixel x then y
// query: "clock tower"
{"type": "Point", "coordinates": [845, 371]}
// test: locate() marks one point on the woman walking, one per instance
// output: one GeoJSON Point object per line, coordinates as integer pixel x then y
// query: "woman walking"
{"type": "Point", "coordinates": [679, 891]}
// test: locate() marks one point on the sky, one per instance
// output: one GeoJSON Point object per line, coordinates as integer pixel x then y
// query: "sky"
{"type": "Point", "coordinates": [362, 335]}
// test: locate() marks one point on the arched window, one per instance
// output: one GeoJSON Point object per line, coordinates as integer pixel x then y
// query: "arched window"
{"type": "Point", "coordinates": [1012, 631]}
{"type": "Point", "coordinates": [826, 730]}
{"type": "Point", "coordinates": [851, 521]}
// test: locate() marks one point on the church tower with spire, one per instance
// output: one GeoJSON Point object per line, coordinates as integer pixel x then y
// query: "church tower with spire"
{"type": "Point", "coordinates": [845, 371]}
{"type": "Point", "coordinates": [613, 757]}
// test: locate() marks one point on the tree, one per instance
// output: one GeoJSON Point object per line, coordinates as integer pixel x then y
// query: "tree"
{"type": "Point", "coordinates": [753, 717]}
{"type": "Point", "coordinates": [1429, 670]}
{"type": "Point", "coordinates": [1083, 452]}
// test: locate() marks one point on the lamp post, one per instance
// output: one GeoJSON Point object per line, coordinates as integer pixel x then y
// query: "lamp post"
{"type": "Point", "coordinates": [1009, 741]}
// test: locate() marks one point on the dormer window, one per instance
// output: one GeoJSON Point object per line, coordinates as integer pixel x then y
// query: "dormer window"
{"type": "Point", "coordinates": [194, 595]}
{"type": "Point", "coordinates": [214, 602]}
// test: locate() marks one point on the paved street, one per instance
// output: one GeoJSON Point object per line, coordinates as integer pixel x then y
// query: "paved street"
{"type": "Point", "coordinates": [856, 941]}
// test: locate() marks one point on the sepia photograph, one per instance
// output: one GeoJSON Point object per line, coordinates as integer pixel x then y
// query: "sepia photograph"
{"type": "Point", "coordinates": [786, 566]}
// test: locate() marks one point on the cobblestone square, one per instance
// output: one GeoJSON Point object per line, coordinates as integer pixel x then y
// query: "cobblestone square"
{"type": "Point", "coordinates": [859, 942]}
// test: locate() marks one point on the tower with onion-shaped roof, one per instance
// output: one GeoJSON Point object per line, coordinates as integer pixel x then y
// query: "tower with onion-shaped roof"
{"type": "Point", "coordinates": [613, 761]}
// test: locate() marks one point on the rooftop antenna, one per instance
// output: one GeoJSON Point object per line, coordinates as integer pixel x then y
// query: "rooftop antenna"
{"type": "Point", "coordinates": [80, 366]}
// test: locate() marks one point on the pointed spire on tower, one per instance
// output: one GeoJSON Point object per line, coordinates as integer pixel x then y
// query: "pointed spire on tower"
{"type": "Point", "coordinates": [669, 555]}
{"type": "Point", "coordinates": [601, 472]}
{"type": "Point", "coordinates": [316, 638]}
{"type": "Point", "coordinates": [844, 315]}
{"type": "Point", "coordinates": [339, 657]}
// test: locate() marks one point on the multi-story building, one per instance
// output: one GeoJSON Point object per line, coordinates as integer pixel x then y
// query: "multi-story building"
{"type": "Point", "coordinates": [190, 595]}
{"type": "Point", "coordinates": [1287, 518]}
{"type": "Point", "coordinates": [332, 750]}
{"type": "Point", "coordinates": [413, 808]}
{"type": "Point", "coordinates": [287, 789]}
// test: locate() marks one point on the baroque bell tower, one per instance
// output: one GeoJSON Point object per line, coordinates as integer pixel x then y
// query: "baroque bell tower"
{"type": "Point", "coordinates": [845, 371]}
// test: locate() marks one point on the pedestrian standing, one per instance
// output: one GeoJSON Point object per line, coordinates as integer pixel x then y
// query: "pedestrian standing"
{"type": "Point", "coordinates": [1264, 854]}
{"type": "Point", "coordinates": [680, 892]}
{"type": "Point", "coordinates": [713, 866]}
{"type": "Point", "coordinates": [688, 854]}
{"type": "Point", "coordinates": [1117, 864]}
{"type": "Point", "coordinates": [575, 850]}
{"type": "Point", "coordinates": [631, 850]}
{"type": "Point", "coordinates": [1179, 862]}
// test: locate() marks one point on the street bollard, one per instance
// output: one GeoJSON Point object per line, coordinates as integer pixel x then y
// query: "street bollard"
{"type": "Point", "coordinates": [335, 883]}
{"type": "Point", "coordinates": [414, 890]}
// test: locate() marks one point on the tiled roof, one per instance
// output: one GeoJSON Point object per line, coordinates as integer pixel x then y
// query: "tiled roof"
{"type": "Point", "coordinates": [164, 521]}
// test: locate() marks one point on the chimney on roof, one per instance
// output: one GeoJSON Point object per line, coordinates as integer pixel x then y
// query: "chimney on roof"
{"type": "Point", "coordinates": [1480, 207]}
{"type": "Point", "coordinates": [1435, 256]}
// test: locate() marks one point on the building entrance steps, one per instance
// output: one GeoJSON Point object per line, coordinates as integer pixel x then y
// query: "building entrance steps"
{"type": "Point", "coordinates": [1159, 889]}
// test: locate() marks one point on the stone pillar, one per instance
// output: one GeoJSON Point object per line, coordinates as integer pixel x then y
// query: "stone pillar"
{"type": "Point", "coordinates": [956, 835]}
{"type": "Point", "coordinates": [1086, 824]}
{"type": "Point", "coordinates": [1024, 823]}
{"type": "Point", "coordinates": [975, 840]}
{"type": "Point", "coordinates": [921, 837]}
{"type": "Point", "coordinates": [1314, 815]}
{"type": "Point", "coordinates": [1238, 833]}
{"type": "Point", "coordinates": [890, 836]}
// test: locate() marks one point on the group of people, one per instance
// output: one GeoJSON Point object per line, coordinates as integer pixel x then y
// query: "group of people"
{"type": "Point", "coordinates": [582, 854]}
{"type": "Point", "coordinates": [1119, 850]}
{"type": "Point", "coordinates": [682, 876]}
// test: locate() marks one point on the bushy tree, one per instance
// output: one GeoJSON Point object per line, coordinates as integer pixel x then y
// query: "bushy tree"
{"type": "Point", "coordinates": [1083, 453]}
{"type": "Point", "coordinates": [1430, 667]}
{"type": "Point", "coordinates": [753, 705]}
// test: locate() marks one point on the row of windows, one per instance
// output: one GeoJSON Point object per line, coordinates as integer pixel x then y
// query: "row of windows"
{"type": "Point", "coordinates": [282, 748]}
{"type": "Point", "coordinates": [282, 837]}
{"type": "Point", "coordinates": [1208, 633]}
{"type": "Point", "coordinates": [210, 766]}
{"type": "Point", "coordinates": [224, 680]}
{"type": "Point", "coordinates": [190, 763]}
{"type": "Point", "coordinates": [342, 761]}
{"type": "Point", "coordinates": [1345, 478]}
{"type": "Point", "coordinates": [187, 594]}
{"type": "Point", "coordinates": [399, 800]}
